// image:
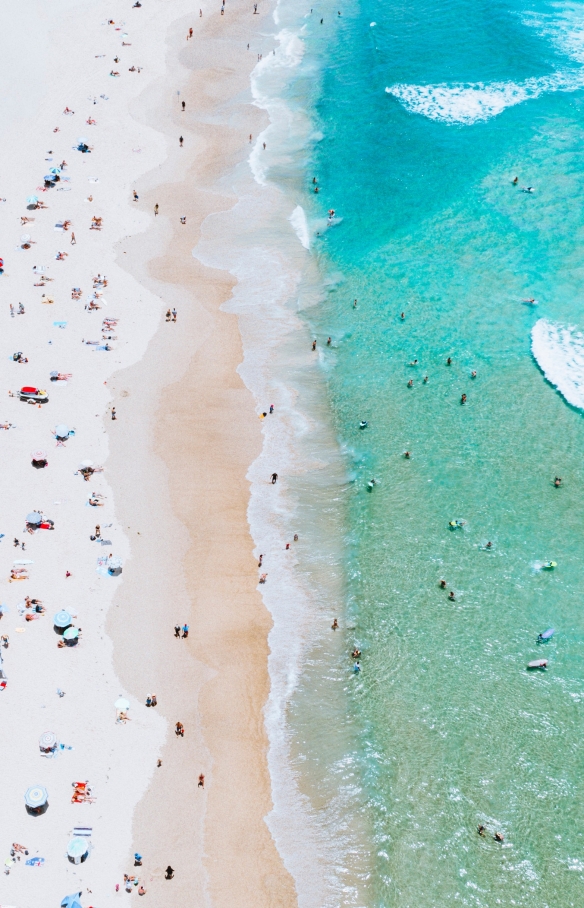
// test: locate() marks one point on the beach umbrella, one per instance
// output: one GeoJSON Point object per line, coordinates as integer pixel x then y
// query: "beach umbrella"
{"type": "Point", "coordinates": [36, 796]}
{"type": "Point", "coordinates": [86, 463]}
{"type": "Point", "coordinates": [72, 901]}
{"type": "Point", "coordinates": [32, 200]}
{"type": "Point", "coordinates": [77, 851]}
{"type": "Point", "coordinates": [82, 141]}
{"type": "Point", "coordinates": [34, 517]}
{"type": "Point", "coordinates": [25, 237]}
{"type": "Point", "coordinates": [62, 619]}
{"type": "Point", "coordinates": [23, 561]}
{"type": "Point", "coordinates": [50, 177]}
{"type": "Point", "coordinates": [122, 703]}
{"type": "Point", "coordinates": [47, 740]}
{"type": "Point", "coordinates": [71, 633]}
{"type": "Point", "coordinates": [54, 170]}
{"type": "Point", "coordinates": [38, 455]}
{"type": "Point", "coordinates": [62, 431]}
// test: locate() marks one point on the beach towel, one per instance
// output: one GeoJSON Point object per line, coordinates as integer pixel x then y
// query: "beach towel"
{"type": "Point", "coordinates": [35, 862]}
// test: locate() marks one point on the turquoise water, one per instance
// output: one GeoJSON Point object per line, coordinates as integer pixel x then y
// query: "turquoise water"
{"type": "Point", "coordinates": [449, 729]}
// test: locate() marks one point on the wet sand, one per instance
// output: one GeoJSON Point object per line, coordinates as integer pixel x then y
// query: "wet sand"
{"type": "Point", "coordinates": [186, 434]}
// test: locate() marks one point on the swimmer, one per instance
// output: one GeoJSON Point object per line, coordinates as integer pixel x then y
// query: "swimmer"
{"type": "Point", "coordinates": [402, 316]}
{"type": "Point", "coordinates": [451, 596]}
{"type": "Point", "coordinates": [329, 342]}
{"type": "Point", "coordinates": [363, 424]}
{"type": "Point", "coordinates": [515, 181]}
{"type": "Point", "coordinates": [425, 379]}
{"type": "Point", "coordinates": [410, 383]}
{"type": "Point", "coordinates": [442, 584]}
{"type": "Point", "coordinates": [489, 545]}
{"type": "Point", "coordinates": [407, 455]}
{"type": "Point", "coordinates": [558, 482]}
{"type": "Point", "coordinates": [473, 374]}
{"type": "Point", "coordinates": [463, 399]}
{"type": "Point", "coordinates": [498, 837]}
{"type": "Point", "coordinates": [356, 668]}
{"type": "Point", "coordinates": [527, 189]}
{"type": "Point", "coordinates": [356, 653]}
{"type": "Point", "coordinates": [335, 625]}
{"type": "Point", "coordinates": [530, 302]}
{"type": "Point", "coordinates": [414, 362]}
{"type": "Point", "coordinates": [449, 361]}
{"type": "Point", "coordinates": [481, 828]}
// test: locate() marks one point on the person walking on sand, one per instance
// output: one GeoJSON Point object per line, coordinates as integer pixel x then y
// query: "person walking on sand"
{"type": "Point", "coordinates": [183, 106]}
{"type": "Point", "coordinates": [201, 781]}
{"type": "Point", "coordinates": [168, 873]}
{"type": "Point", "coordinates": [180, 141]}
{"type": "Point", "coordinates": [73, 240]}
{"type": "Point", "coordinates": [185, 631]}
{"type": "Point", "coordinates": [177, 630]}
{"type": "Point", "coordinates": [179, 730]}
{"type": "Point", "coordinates": [114, 413]}
{"type": "Point", "coordinates": [274, 478]}
{"type": "Point", "coordinates": [135, 195]}
{"type": "Point", "coordinates": [98, 532]}
{"type": "Point", "coordinates": [335, 625]}
{"type": "Point", "coordinates": [174, 315]}
{"type": "Point", "coordinates": [156, 209]}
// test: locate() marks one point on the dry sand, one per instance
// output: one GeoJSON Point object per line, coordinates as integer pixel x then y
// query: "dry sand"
{"type": "Point", "coordinates": [176, 462]}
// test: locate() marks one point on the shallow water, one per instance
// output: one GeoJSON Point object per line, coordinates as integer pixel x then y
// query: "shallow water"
{"type": "Point", "coordinates": [444, 728]}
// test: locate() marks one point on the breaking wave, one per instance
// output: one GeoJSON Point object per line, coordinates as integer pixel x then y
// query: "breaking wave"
{"type": "Point", "coordinates": [559, 353]}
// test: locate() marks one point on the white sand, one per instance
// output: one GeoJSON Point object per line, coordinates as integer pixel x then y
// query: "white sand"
{"type": "Point", "coordinates": [118, 760]}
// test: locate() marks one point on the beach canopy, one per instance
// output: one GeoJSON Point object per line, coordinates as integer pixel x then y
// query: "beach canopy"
{"type": "Point", "coordinates": [32, 200]}
{"type": "Point", "coordinates": [71, 633]}
{"type": "Point", "coordinates": [36, 796]}
{"type": "Point", "coordinates": [34, 517]}
{"type": "Point", "coordinates": [62, 431]}
{"type": "Point", "coordinates": [47, 740]}
{"type": "Point", "coordinates": [62, 619]}
{"type": "Point", "coordinates": [122, 703]}
{"type": "Point", "coordinates": [72, 901]}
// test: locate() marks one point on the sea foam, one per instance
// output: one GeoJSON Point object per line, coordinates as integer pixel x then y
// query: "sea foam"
{"type": "Point", "coordinates": [467, 103]}
{"type": "Point", "coordinates": [300, 225]}
{"type": "Point", "coordinates": [559, 353]}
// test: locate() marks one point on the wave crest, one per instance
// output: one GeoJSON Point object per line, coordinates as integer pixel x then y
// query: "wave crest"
{"type": "Point", "coordinates": [559, 353]}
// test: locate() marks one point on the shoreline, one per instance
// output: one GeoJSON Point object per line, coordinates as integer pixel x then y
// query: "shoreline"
{"type": "Point", "coordinates": [221, 691]}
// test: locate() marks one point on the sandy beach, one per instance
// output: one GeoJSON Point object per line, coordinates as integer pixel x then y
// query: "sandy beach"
{"type": "Point", "coordinates": [172, 498]}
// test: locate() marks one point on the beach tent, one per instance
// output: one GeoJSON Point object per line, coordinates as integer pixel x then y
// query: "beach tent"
{"type": "Point", "coordinates": [72, 901]}
{"type": "Point", "coordinates": [36, 799]}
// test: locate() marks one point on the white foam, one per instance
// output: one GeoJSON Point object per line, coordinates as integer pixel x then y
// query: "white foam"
{"type": "Point", "coordinates": [300, 225]}
{"type": "Point", "coordinates": [559, 353]}
{"type": "Point", "coordinates": [468, 103]}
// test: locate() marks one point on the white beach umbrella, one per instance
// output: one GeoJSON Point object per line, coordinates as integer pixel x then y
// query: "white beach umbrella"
{"type": "Point", "coordinates": [122, 703]}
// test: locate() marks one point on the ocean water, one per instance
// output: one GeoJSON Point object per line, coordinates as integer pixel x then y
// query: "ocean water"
{"type": "Point", "coordinates": [415, 120]}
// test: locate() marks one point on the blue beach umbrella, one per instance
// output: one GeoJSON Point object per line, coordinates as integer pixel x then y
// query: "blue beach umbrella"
{"type": "Point", "coordinates": [54, 170]}
{"type": "Point", "coordinates": [62, 619]}
{"type": "Point", "coordinates": [36, 796]}
{"type": "Point", "coordinates": [32, 200]}
{"type": "Point", "coordinates": [50, 177]}
{"type": "Point", "coordinates": [72, 901]}
{"type": "Point", "coordinates": [71, 633]}
{"type": "Point", "coordinates": [34, 518]}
